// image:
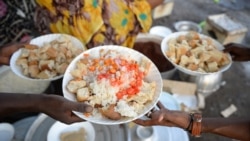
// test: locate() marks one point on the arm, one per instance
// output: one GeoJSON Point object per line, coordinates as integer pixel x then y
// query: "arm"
{"type": "Point", "coordinates": [229, 127]}
{"type": "Point", "coordinates": [55, 106]}
{"type": "Point", "coordinates": [6, 52]}
{"type": "Point", "coordinates": [237, 128]}
{"type": "Point", "coordinates": [238, 52]}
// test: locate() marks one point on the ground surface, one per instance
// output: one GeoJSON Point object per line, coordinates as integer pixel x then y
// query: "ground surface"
{"type": "Point", "coordinates": [237, 87]}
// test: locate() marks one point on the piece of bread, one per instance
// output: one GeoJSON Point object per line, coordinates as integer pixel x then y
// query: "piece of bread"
{"type": "Point", "coordinates": [30, 46]}
{"type": "Point", "coordinates": [61, 68]}
{"type": "Point", "coordinates": [74, 85]}
{"type": "Point", "coordinates": [184, 60]}
{"type": "Point", "coordinates": [212, 66]}
{"type": "Point", "coordinates": [82, 94]}
{"type": "Point", "coordinates": [46, 74]}
{"type": "Point", "coordinates": [180, 51]}
{"type": "Point", "coordinates": [24, 53]}
{"type": "Point", "coordinates": [192, 66]}
{"type": "Point", "coordinates": [145, 65]}
{"type": "Point", "coordinates": [33, 71]}
{"type": "Point", "coordinates": [46, 65]}
{"type": "Point", "coordinates": [51, 52]}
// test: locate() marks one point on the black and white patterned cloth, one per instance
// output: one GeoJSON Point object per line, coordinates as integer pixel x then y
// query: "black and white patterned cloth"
{"type": "Point", "coordinates": [16, 20]}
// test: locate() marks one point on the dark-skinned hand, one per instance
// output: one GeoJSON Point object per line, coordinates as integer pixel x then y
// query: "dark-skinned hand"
{"type": "Point", "coordinates": [7, 51]}
{"type": "Point", "coordinates": [61, 109]}
{"type": "Point", "coordinates": [165, 117]}
{"type": "Point", "coordinates": [238, 52]}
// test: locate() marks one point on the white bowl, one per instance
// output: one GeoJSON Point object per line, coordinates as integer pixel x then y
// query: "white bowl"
{"type": "Point", "coordinates": [153, 75]}
{"type": "Point", "coordinates": [39, 41]}
{"type": "Point", "coordinates": [160, 31]}
{"type": "Point", "coordinates": [145, 133]}
{"type": "Point", "coordinates": [58, 128]}
{"type": "Point", "coordinates": [187, 26]}
{"type": "Point", "coordinates": [164, 48]}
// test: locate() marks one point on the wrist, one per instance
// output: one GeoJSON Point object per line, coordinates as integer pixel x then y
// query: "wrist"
{"type": "Point", "coordinates": [189, 127]}
{"type": "Point", "coordinates": [195, 125]}
{"type": "Point", "coordinates": [181, 119]}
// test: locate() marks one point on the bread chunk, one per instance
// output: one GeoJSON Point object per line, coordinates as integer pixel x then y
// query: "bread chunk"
{"type": "Point", "coordinates": [75, 84]}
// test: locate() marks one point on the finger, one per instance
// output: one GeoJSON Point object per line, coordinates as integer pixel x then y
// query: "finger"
{"type": "Point", "coordinates": [75, 118]}
{"type": "Point", "coordinates": [160, 105]}
{"type": "Point", "coordinates": [143, 122]}
{"type": "Point", "coordinates": [14, 48]}
{"type": "Point", "coordinates": [149, 114]}
{"type": "Point", "coordinates": [81, 107]}
{"type": "Point", "coordinates": [227, 50]}
{"type": "Point", "coordinates": [153, 109]}
{"type": "Point", "coordinates": [71, 118]}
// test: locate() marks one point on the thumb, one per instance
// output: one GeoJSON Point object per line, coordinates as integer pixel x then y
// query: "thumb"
{"type": "Point", "coordinates": [81, 107]}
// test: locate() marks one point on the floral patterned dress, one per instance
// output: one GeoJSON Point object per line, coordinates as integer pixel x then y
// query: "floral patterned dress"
{"type": "Point", "coordinates": [95, 22]}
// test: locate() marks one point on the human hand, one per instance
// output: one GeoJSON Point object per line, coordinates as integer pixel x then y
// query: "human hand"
{"type": "Point", "coordinates": [238, 52]}
{"type": "Point", "coordinates": [61, 109]}
{"type": "Point", "coordinates": [165, 117]}
{"type": "Point", "coordinates": [7, 51]}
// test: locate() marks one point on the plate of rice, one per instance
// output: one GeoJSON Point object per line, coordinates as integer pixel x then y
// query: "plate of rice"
{"type": "Point", "coordinates": [120, 83]}
{"type": "Point", "coordinates": [46, 57]}
{"type": "Point", "coordinates": [195, 54]}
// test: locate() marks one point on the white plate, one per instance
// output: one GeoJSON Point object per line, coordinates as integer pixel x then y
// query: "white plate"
{"type": "Point", "coordinates": [164, 48]}
{"type": "Point", "coordinates": [58, 128]}
{"type": "Point", "coordinates": [39, 41]}
{"type": "Point", "coordinates": [153, 75]}
{"type": "Point", "coordinates": [162, 31]}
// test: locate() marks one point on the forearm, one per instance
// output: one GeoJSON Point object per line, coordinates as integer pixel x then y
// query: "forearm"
{"type": "Point", "coordinates": [229, 127]}
{"type": "Point", "coordinates": [18, 103]}
{"type": "Point", "coordinates": [236, 128]}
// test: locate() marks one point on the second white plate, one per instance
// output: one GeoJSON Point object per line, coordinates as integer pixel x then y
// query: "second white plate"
{"type": "Point", "coordinates": [58, 128]}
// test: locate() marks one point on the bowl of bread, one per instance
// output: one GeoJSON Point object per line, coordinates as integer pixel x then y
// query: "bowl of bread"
{"type": "Point", "coordinates": [120, 83]}
{"type": "Point", "coordinates": [46, 57]}
{"type": "Point", "coordinates": [195, 54]}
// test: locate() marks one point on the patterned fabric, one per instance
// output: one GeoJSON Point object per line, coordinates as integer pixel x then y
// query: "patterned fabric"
{"type": "Point", "coordinates": [16, 20]}
{"type": "Point", "coordinates": [95, 22]}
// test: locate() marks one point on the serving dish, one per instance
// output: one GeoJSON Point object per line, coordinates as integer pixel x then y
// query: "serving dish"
{"type": "Point", "coordinates": [40, 42]}
{"type": "Point", "coordinates": [152, 76]}
{"type": "Point", "coordinates": [219, 48]}
{"type": "Point", "coordinates": [187, 26]}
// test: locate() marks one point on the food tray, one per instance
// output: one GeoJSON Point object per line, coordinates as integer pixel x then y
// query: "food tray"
{"type": "Point", "coordinates": [39, 129]}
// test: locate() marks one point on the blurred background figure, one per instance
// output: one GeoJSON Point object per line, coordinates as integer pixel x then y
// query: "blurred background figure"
{"type": "Point", "coordinates": [96, 22]}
